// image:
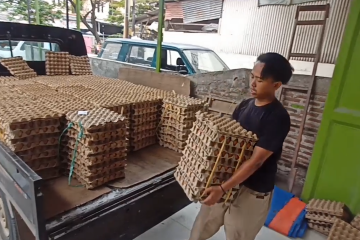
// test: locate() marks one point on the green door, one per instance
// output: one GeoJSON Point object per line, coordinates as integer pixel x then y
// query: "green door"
{"type": "Point", "coordinates": [334, 171]}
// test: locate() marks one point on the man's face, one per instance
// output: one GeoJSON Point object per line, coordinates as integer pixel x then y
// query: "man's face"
{"type": "Point", "coordinates": [262, 88]}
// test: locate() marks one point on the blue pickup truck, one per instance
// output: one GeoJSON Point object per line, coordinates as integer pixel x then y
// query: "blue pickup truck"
{"type": "Point", "coordinates": [181, 58]}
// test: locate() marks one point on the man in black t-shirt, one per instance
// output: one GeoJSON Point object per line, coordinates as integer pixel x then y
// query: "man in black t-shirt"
{"type": "Point", "coordinates": [264, 115]}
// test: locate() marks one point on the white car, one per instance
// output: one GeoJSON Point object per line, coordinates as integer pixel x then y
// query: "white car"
{"type": "Point", "coordinates": [25, 49]}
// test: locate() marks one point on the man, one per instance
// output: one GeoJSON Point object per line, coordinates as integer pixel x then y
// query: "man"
{"type": "Point", "coordinates": [264, 115]}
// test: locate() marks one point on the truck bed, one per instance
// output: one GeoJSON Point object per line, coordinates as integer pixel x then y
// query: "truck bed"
{"type": "Point", "coordinates": [142, 165]}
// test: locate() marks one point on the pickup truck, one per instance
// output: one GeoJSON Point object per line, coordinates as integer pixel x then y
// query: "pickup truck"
{"type": "Point", "coordinates": [34, 208]}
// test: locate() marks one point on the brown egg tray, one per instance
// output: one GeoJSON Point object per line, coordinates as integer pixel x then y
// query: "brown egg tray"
{"type": "Point", "coordinates": [99, 119]}
{"type": "Point", "coordinates": [68, 106]}
{"type": "Point", "coordinates": [109, 138]}
{"type": "Point", "coordinates": [8, 79]}
{"type": "Point", "coordinates": [167, 114]}
{"type": "Point", "coordinates": [323, 229]}
{"type": "Point", "coordinates": [57, 63]}
{"type": "Point", "coordinates": [208, 141]}
{"type": "Point", "coordinates": [356, 222]}
{"type": "Point", "coordinates": [93, 160]}
{"type": "Point", "coordinates": [7, 133]}
{"type": "Point", "coordinates": [145, 134]}
{"type": "Point", "coordinates": [170, 139]}
{"type": "Point", "coordinates": [94, 138]}
{"type": "Point", "coordinates": [80, 65]}
{"type": "Point", "coordinates": [96, 149]}
{"type": "Point", "coordinates": [170, 146]}
{"type": "Point", "coordinates": [173, 132]}
{"type": "Point", "coordinates": [143, 127]}
{"type": "Point", "coordinates": [321, 217]}
{"type": "Point", "coordinates": [341, 230]}
{"type": "Point", "coordinates": [26, 144]}
{"type": "Point", "coordinates": [49, 173]}
{"type": "Point", "coordinates": [39, 153]}
{"type": "Point", "coordinates": [326, 207]}
{"type": "Point", "coordinates": [17, 102]}
{"type": "Point", "coordinates": [18, 67]}
{"type": "Point", "coordinates": [43, 163]}
{"type": "Point", "coordinates": [145, 142]}
{"type": "Point", "coordinates": [101, 180]}
{"type": "Point", "coordinates": [195, 194]}
{"type": "Point", "coordinates": [143, 119]}
{"type": "Point", "coordinates": [94, 172]}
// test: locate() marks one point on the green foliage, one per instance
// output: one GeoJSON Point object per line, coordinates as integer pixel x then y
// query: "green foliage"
{"type": "Point", "coordinates": [115, 15]}
{"type": "Point", "coordinates": [17, 10]}
{"type": "Point", "coordinates": [144, 6]}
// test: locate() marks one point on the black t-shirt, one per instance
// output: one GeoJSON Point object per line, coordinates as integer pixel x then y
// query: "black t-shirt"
{"type": "Point", "coordinates": [271, 123]}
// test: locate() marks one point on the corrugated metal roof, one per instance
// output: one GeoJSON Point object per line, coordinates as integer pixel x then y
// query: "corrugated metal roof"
{"type": "Point", "coordinates": [201, 10]}
{"type": "Point", "coordinates": [173, 10]}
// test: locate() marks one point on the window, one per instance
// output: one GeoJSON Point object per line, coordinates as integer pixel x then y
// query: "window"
{"type": "Point", "coordinates": [171, 60]}
{"type": "Point", "coordinates": [141, 55]}
{"type": "Point", "coordinates": [204, 61]}
{"type": "Point", "coordinates": [111, 51]}
{"type": "Point", "coordinates": [172, 57]}
{"type": "Point", "coordinates": [28, 50]}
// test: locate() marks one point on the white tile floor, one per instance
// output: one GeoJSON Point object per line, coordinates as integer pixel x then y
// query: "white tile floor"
{"type": "Point", "coordinates": [178, 227]}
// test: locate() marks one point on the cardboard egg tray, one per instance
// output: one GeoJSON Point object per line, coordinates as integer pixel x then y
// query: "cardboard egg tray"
{"type": "Point", "coordinates": [326, 207]}
{"type": "Point", "coordinates": [80, 65]}
{"type": "Point", "coordinates": [178, 116]}
{"type": "Point", "coordinates": [216, 145]}
{"type": "Point", "coordinates": [43, 163]}
{"type": "Point", "coordinates": [57, 63]}
{"type": "Point", "coordinates": [18, 67]}
{"type": "Point", "coordinates": [39, 153]}
{"type": "Point", "coordinates": [341, 230]}
{"type": "Point", "coordinates": [104, 141]}
{"type": "Point", "coordinates": [321, 228]}
{"type": "Point", "coordinates": [8, 79]}
{"type": "Point", "coordinates": [356, 222]}
{"type": "Point", "coordinates": [140, 144]}
{"type": "Point", "coordinates": [101, 179]}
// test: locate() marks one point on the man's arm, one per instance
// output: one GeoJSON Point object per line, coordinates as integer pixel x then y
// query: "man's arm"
{"type": "Point", "coordinates": [271, 140]}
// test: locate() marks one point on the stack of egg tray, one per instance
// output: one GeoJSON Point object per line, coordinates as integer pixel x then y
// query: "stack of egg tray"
{"type": "Point", "coordinates": [322, 214]}
{"type": "Point", "coordinates": [63, 103]}
{"type": "Point", "coordinates": [113, 103]}
{"type": "Point", "coordinates": [356, 222]}
{"type": "Point", "coordinates": [178, 116]}
{"type": "Point", "coordinates": [18, 67]}
{"type": "Point", "coordinates": [8, 79]}
{"type": "Point", "coordinates": [33, 89]}
{"type": "Point", "coordinates": [57, 63]}
{"type": "Point", "coordinates": [143, 120]}
{"type": "Point", "coordinates": [341, 230]}
{"type": "Point", "coordinates": [215, 149]}
{"type": "Point", "coordinates": [100, 153]}
{"type": "Point", "coordinates": [80, 65]}
{"type": "Point", "coordinates": [32, 131]}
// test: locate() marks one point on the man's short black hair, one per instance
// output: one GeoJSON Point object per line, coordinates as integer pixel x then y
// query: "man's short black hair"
{"type": "Point", "coordinates": [276, 66]}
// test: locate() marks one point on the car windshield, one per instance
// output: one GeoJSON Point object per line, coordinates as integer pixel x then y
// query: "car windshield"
{"type": "Point", "coordinates": [204, 61]}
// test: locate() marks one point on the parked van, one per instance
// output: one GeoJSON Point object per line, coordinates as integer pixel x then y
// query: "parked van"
{"type": "Point", "coordinates": [29, 51]}
{"type": "Point", "coordinates": [182, 58]}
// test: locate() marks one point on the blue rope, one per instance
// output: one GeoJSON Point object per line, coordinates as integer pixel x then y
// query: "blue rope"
{"type": "Point", "coordinates": [73, 161]}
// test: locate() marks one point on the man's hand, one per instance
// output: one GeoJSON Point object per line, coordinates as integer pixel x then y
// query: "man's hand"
{"type": "Point", "coordinates": [214, 195]}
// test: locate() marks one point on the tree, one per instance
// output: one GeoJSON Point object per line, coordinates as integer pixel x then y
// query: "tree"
{"type": "Point", "coordinates": [144, 6]}
{"type": "Point", "coordinates": [90, 11]}
{"type": "Point", "coordinates": [115, 14]}
{"type": "Point", "coordinates": [18, 10]}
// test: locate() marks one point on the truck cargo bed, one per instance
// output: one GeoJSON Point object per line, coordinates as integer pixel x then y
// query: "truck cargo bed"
{"type": "Point", "coordinates": [142, 165]}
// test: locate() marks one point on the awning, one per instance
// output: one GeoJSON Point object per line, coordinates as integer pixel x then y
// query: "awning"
{"type": "Point", "coordinates": [283, 2]}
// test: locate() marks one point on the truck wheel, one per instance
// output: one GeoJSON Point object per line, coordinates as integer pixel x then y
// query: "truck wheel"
{"type": "Point", "coordinates": [8, 226]}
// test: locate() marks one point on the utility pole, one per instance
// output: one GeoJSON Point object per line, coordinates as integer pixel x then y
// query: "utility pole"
{"type": "Point", "coordinates": [29, 11]}
{"type": "Point", "coordinates": [78, 15]}
{"type": "Point", "coordinates": [133, 17]}
{"type": "Point", "coordinates": [37, 12]}
{"type": "Point", "coordinates": [160, 34]}
{"type": "Point", "coordinates": [126, 20]}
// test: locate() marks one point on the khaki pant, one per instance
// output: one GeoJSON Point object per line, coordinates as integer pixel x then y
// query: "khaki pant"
{"type": "Point", "coordinates": [242, 220]}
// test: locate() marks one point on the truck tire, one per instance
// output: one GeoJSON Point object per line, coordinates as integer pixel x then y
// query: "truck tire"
{"type": "Point", "coordinates": [8, 225]}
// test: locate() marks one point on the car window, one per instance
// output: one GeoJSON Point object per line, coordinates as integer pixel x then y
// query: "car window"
{"type": "Point", "coordinates": [28, 50]}
{"type": "Point", "coordinates": [111, 51]}
{"type": "Point", "coordinates": [141, 55]}
{"type": "Point", "coordinates": [172, 57]}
